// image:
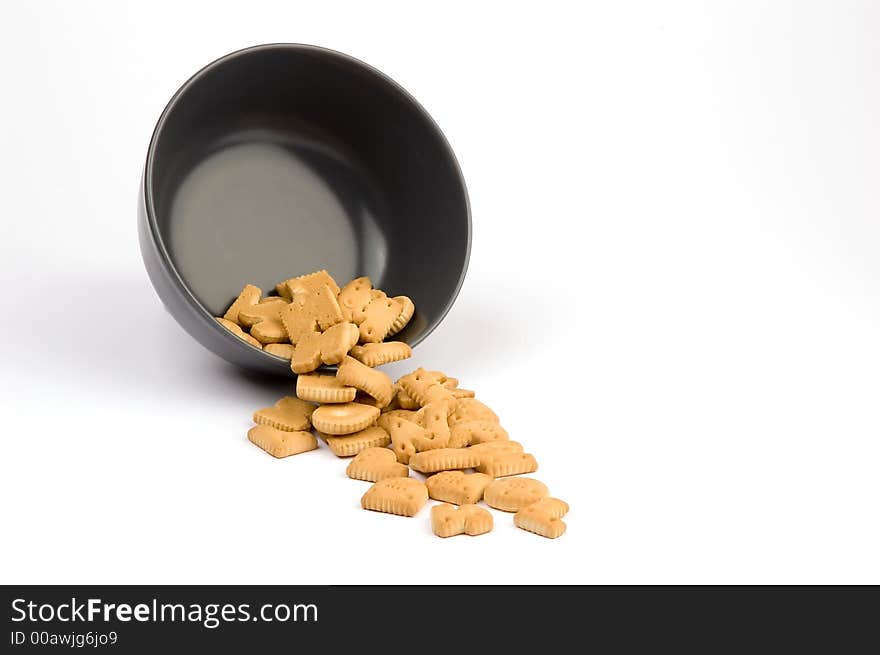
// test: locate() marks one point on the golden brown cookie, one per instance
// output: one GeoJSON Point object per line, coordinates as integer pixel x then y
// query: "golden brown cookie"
{"type": "Point", "coordinates": [401, 496]}
{"type": "Point", "coordinates": [512, 494]}
{"type": "Point", "coordinates": [310, 281]}
{"type": "Point", "coordinates": [408, 438]}
{"type": "Point", "coordinates": [248, 297]}
{"type": "Point", "coordinates": [374, 464]}
{"type": "Point", "coordinates": [443, 459]}
{"type": "Point", "coordinates": [457, 487]}
{"type": "Point", "coordinates": [406, 313]}
{"type": "Point", "coordinates": [448, 521]}
{"type": "Point", "coordinates": [379, 316]}
{"type": "Point", "coordinates": [354, 298]}
{"type": "Point", "coordinates": [344, 418]}
{"type": "Point", "coordinates": [264, 320]}
{"type": "Point", "coordinates": [279, 443]}
{"type": "Point", "coordinates": [319, 388]}
{"type": "Point", "coordinates": [289, 414]}
{"type": "Point", "coordinates": [471, 409]}
{"type": "Point", "coordinates": [543, 517]}
{"type": "Point", "coordinates": [426, 386]}
{"type": "Point", "coordinates": [351, 444]}
{"type": "Point", "coordinates": [377, 354]}
{"type": "Point", "coordinates": [476, 432]}
{"type": "Point", "coordinates": [320, 303]}
{"type": "Point", "coordinates": [434, 418]}
{"type": "Point", "coordinates": [329, 347]}
{"type": "Point", "coordinates": [499, 466]}
{"type": "Point", "coordinates": [284, 350]}
{"type": "Point", "coordinates": [237, 331]}
{"type": "Point", "coordinates": [354, 374]}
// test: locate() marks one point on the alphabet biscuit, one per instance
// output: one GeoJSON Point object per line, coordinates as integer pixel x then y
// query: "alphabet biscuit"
{"type": "Point", "coordinates": [310, 281]}
{"type": "Point", "coordinates": [320, 303]}
{"type": "Point", "coordinates": [512, 494]}
{"type": "Point", "coordinates": [543, 517]}
{"type": "Point", "coordinates": [354, 298]}
{"type": "Point", "coordinates": [289, 414]}
{"type": "Point", "coordinates": [443, 459]}
{"type": "Point", "coordinates": [449, 521]}
{"type": "Point", "coordinates": [284, 350]}
{"type": "Point", "coordinates": [475, 432]}
{"type": "Point", "coordinates": [379, 316]}
{"type": "Point", "coordinates": [264, 320]}
{"type": "Point", "coordinates": [374, 464]}
{"type": "Point", "coordinates": [351, 444]}
{"type": "Point", "coordinates": [406, 313]}
{"type": "Point", "coordinates": [319, 388]}
{"type": "Point", "coordinates": [377, 354]}
{"type": "Point", "coordinates": [354, 374]}
{"type": "Point", "coordinates": [344, 418]}
{"type": "Point", "coordinates": [279, 443]}
{"type": "Point", "coordinates": [329, 347]}
{"type": "Point", "coordinates": [237, 331]}
{"type": "Point", "coordinates": [401, 496]}
{"type": "Point", "coordinates": [499, 466]}
{"type": "Point", "coordinates": [457, 487]}
{"type": "Point", "coordinates": [249, 296]}
{"type": "Point", "coordinates": [471, 409]}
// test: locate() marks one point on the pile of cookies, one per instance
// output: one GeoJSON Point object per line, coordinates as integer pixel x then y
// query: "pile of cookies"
{"type": "Point", "coordinates": [395, 432]}
{"type": "Point", "coordinates": [312, 321]}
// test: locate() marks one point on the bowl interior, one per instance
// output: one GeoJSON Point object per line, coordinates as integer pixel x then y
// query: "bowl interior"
{"type": "Point", "coordinates": [281, 160]}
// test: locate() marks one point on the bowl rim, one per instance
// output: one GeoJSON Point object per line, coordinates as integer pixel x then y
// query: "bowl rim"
{"type": "Point", "coordinates": [147, 182]}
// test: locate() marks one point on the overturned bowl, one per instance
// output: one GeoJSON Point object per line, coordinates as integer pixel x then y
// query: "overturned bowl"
{"type": "Point", "coordinates": [282, 159]}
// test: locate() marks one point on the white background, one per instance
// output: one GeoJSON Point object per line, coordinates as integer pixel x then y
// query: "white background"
{"type": "Point", "coordinates": [673, 298]}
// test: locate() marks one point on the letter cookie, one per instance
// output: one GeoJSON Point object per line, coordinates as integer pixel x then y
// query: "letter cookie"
{"type": "Point", "coordinates": [499, 466]}
{"type": "Point", "coordinates": [237, 331]}
{"type": "Point", "coordinates": [308, 282]}
{"type": "Point", "coordinates": [374, 464]}
{"type": "Point", "coordinates": [279, 443]}
{"type": "Point", "coordinates": [448, 521]}
{"type": "Point", "coordinates": [543, 517]}
{"type": "Point", "coordinates": [377, 354]}
{"type": "Point", "coordinates": [354, 298]}
{"type": "Point", "coordinates": [344, 418]}
{"type": "Point", "coordinates": [351, 444]}
{"type": "Point", "coordinates": [289, 414]}
{"type": "Point", "coordinates": [319, 388]}
{"type": "Point", "coordinates": [401, 496]}
{"type": "Point", "coordinates": [379, 316]}
{"type": "Point", "coordinates": [443, 459]}
{"type": "Point", "coordinates": [329, 347]}
{"type": "Point", "coordinates": [406, 313]}
{"type": "Point", "coordinates": [457, 487]}
{"type": "Point", "coordinates": [264, 320]}
{"type": "Point", "coordinates": [248, 297]}
{"type": "Point", "coordinates": [512, 494]}
{"type": "Point", "coordinates": [354, 374]}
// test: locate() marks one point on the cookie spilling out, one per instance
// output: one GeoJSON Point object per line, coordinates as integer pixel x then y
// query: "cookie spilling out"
{"type": "Point", "coordinates": [313, 322]}
{"type": "Point", "coordinates": [423, 423]}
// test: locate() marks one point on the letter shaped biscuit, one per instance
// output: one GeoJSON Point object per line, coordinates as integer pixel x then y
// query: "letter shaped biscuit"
{"type": "Point", "coordinates": [401, 496]}
{"type": "Point", "coordinates": [264, 320]}
{"type": "Point", "coordinates": [374, 464]}
{"type": "Point", "coordinates": [347, 445]}
{"type": "Point", "coordinates": [512, 494]}
{"type": "Point", "coordinates": [457, 487]}
{"type": "Point", "coordinates": [443, 459]}
{"type": "Point", "coordinates": [354, 374]}
{"type": "Point", "coordinates": [448, 521]}
{"type": "Point", "coordinates": [279, 443]}
{"type": "Point", "coordinates": [379, 317]}
{"type": "Point", "coordinates": [329, 347]}
{"type": "Point", "coordinates": [289, 414]}
{"type": "Point", "coordinates": [543, 517]}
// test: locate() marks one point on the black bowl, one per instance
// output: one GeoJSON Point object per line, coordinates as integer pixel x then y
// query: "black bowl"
{"type": "Point", "coordinates": [282, 159]}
